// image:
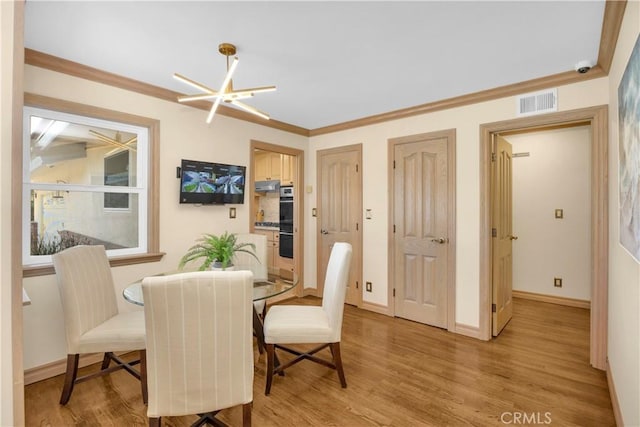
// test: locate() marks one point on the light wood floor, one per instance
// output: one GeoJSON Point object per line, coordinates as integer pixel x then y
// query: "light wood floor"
{"type": "Point", "coordinates": [399, 373]}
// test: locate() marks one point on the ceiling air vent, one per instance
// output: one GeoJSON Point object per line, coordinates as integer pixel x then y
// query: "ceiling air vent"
{"type": "Point", "coordinates": [541, 102]}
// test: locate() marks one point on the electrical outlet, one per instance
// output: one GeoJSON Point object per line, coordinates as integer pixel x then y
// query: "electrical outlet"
{"type": "Point", "coordinates": [368, 286]}
{"type": "Point", "coordinates": [557, 282]}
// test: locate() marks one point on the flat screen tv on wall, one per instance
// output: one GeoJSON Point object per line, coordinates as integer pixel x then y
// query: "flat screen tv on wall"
{"type": "Point", "coordinates": [210, 183]}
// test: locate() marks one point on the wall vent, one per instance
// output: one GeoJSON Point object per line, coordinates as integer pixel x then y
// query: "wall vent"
{"type": "Point", "coordinates": [541, 102]}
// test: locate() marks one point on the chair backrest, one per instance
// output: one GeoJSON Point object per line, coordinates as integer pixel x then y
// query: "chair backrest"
{"type": "Point", "coordinates": [199, 341]}
{"type": "Point", "coordinates": [86, 290]}
{"type": "Point", "coordinates": [244, 261]}
{"type": "Point", "coordinates": [335, 286]}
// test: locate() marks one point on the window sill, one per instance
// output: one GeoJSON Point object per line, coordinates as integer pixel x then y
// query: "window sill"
{"type": "Point", "coordinates": [47, 269]}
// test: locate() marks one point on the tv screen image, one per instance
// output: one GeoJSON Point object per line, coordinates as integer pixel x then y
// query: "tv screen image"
{"type": "Point", "coordinates": [211, 183]}
{"type": "Point", "coordinates": [229, 181]}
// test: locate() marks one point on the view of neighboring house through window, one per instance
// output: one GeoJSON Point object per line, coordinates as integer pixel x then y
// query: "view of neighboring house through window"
{"type": "Point", "coordinates": [84, 183]}
{"type": "Point", "coordinates": [116, 173]}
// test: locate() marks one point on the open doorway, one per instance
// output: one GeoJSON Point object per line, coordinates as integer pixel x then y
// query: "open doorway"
{"type": "Point", "coordinates": [541, 218]}
{"type": "Point", "coordinates": [596, 119]}
{"type": "Point", "coordinates": [283, 166]}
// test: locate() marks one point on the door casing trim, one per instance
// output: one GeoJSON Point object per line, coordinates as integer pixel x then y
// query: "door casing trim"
{"type": "Point", "coordinates": [597, 118]}
{"type": "Point", "coordinates": [298, 243]}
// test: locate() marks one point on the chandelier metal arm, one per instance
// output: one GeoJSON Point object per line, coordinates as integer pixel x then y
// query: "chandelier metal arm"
{"type": "Point", "coordinates": [228, 95]}
{"type": "Point", "coordinates": [226, 92]}
{"type": "Point", "coordinates": [112, 141]}
{"type": "Point", "coordinates": [222, 90]}
{"type": "Point", "coordinates": [194, 84]}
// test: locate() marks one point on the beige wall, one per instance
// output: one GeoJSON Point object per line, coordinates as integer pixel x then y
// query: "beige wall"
{"type": "Point", "coordinates": [466, 120]}
{"type": "Point", "coordinates": [555, 175]}
{"type": "Point", "coordinates": [624, 272]}
{"type": "Point", "coordinates": [183, 134]}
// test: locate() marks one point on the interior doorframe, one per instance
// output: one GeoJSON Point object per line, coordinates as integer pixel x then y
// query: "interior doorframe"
{"type": "Point", "coordinates": [450, 134]}
{"type": "Point", "coordinates": [357, 259]}
{"type": "Point", "coordinates": [597, 118]}
{"type": "Point", "coordinates": [298, 200]}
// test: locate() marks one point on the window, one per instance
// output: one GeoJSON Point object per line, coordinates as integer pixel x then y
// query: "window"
{"type": "Point", "coordinates": [86, 181]}
{"type": "Point", "coordinates": [116, 173]}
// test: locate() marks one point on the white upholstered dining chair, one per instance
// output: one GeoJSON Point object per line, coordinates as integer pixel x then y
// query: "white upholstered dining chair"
{"type": "Point", "coordinates": [92, 321]}
{"type": "Point", "coordinates": [298, 324]}
{"type": "Point", "coordinates": [244, 261]}
{"type": "Point", "coordinates": [199, 344]}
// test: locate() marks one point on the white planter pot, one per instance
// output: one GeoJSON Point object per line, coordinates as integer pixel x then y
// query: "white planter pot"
{"type": "Point", "coordinates": [216, 266]}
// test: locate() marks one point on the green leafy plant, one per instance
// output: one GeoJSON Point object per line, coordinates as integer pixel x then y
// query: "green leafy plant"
{"type": "Point", "coordinates": [216, 249]}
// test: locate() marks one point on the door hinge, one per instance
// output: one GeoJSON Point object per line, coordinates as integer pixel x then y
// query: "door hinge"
{"type": "Point", "coordinates": [357, 229]}
{"type": "Point", "coordinates": [356, 167]}
{"type": "Point", "coordinates": [394, 228]}
{"type": "Point", "coordinates": [494, 156]}
{"type": "Point", "coordinates": [357, 285]}
{"type": "Point", "coordinates": [394, 164]}
{"type": "Point", "coordinates": [394, 292]}
{"type": "Point", "coordinates": [494, 232]}
{"type": "Point", "coordinates": [493, 308]}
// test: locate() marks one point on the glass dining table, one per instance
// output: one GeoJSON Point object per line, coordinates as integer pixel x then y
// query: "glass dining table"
{"type": "Point", "coordinates": [275, 285]}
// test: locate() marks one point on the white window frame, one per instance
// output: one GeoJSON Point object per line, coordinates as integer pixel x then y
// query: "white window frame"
{"type": "Point", "coordinates": [141, 188]}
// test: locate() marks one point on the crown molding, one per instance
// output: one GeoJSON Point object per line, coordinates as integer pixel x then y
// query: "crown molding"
{"type": "Point", "coordinates": [61, 65]}
{"type": "Point", "coordinates": [472, 98]}
{"type": "Point", "coordinates": [612, 20]}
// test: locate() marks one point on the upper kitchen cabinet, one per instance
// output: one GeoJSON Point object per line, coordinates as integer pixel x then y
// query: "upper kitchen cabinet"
{"type": "Point", "coordinates": [268, 166]}
{"type": "Point", "coordinates": [287, 176]}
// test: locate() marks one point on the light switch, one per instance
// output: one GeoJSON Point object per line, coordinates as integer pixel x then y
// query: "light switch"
{"type": "Point", "coordinates": [367, 214]}
{"type": "Point", "coordinates": [559, 213]}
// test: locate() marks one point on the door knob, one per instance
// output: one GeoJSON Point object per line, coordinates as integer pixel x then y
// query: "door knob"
{"type": "Point", "coordinates": [323, 231]}
{"type": "Point", "coordinates": [512, 237]}
{"type": "Point", "coordinates": [440, 240]}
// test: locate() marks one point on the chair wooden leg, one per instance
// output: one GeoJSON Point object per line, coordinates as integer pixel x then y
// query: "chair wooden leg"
{"type": "Point", "coordinates": [337, 360]}
{"type": "Point", "coordinates": [258, 330]}
{"type": "Point", "coordinates": [69, 377]}
{"type": "Point", "coordinates": [246, 414]}
{"type": "Point", "coordinates": [154, 422]}
{"type": "Point", "coordinates": [271, 350]}
{"type": "Point", "coordinates": [105, 361]}
{"type": "Point", "coordinates": [143, 375]}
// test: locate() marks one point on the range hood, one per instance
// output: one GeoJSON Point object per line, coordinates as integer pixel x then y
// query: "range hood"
{"type": "Point", "coordinates": [267, 186]}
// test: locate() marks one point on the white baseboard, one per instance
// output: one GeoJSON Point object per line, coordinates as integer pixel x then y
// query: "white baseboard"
{"type": "Point", "coordinates": [376, 308]}
{"type": "Point", "coordinates": [614, 397]}
{"type": "Point", "coordinates": [570, 302]}
{"type": "Point", "coordinates": [467, 330]}
{"type": "Point", "coordinates": [58, 367]}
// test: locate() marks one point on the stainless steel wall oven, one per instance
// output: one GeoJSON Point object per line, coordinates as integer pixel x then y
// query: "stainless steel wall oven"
{"type": "Point", "coordinates": [286, 222]}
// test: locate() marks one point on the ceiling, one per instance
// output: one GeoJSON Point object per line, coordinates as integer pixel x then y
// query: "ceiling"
{"type": "Point", "coordinates": [331, 61]}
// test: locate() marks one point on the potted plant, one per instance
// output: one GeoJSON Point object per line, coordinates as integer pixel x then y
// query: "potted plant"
{"type": "Point", "coordinates": [217, 251]}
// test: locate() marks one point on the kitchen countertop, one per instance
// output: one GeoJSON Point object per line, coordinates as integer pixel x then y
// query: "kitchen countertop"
{"type": "Point", "coordinates": [267, 226]}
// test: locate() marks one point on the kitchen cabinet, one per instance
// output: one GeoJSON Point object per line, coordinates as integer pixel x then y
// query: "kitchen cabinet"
{"type": "Point", "coordinates": [284, 263]}
{"type": "Point", "coordinates": [274, 261]}
{"type": "Point", "coordinates": [287, 174]}
{"type": "Point", "coordinates": [273, 248]}
{"type": "Point", "coordinates": [268, 166]}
